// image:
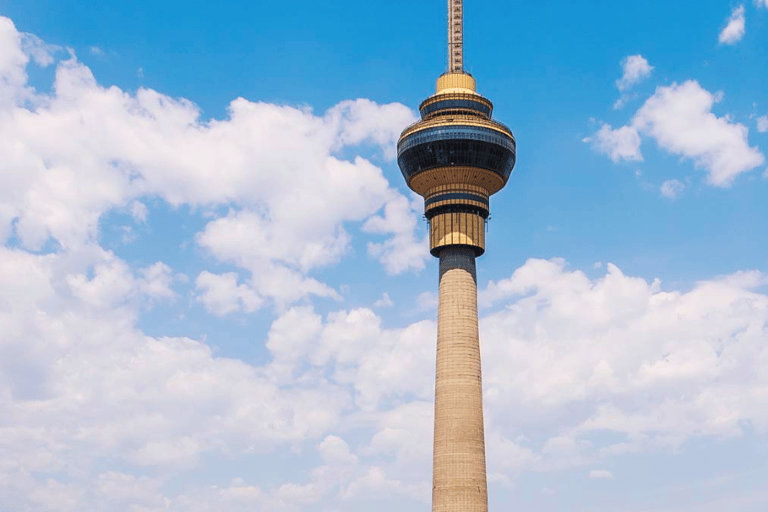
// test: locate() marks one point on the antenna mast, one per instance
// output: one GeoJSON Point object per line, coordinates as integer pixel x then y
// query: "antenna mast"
{"type": "Point", "coordinates": [455, 36]}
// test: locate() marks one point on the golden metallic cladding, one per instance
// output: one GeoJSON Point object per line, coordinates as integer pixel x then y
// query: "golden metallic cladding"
{"type": "Point", "coordinates": [460, 82]}
{"type": "Point", "coordinates": [457, 228]}
{"type": "Point", "coordinates": [424, 181]}
{"type": "Point", "coordinates": [448, 189]}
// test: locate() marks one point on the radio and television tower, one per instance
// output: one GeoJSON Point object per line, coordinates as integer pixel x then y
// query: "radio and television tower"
{"type": "Point", "coordinates": [456, 157]}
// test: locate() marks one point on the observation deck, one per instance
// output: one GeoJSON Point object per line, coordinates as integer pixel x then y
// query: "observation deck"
{"type": "Point", "coordinates": [456, 157]}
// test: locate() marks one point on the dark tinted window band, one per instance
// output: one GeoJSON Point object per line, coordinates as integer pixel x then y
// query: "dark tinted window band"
{"type": "Point", "coordinates": [452, 132]}
{"type": "Point", "coordinates": [455, 152]}
{"type": "Point", "coordinates": [456, 104]}
{"type": "Point", "coordinates": [456, 208]}
{"type": "Point", "coordinates": [455, 195]}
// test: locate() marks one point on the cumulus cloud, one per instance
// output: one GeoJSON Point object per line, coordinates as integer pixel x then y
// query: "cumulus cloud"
{"type": "Point", "coordinates": [600, 473]}
{"type": "Point", "coordinates": [103, 389]}
{"type": "Point", "coordinates": [277, 255]}
{"type": "Point", "coordinates": [567, 339]}
{"type": "Point", "coordinates": [679, 118]}
{"type": "Point", "coordinates": [671, 188]}
{"type": "Point", "coordinates": [635, 69]}
{"type": "Point", "coordinates": [734, 28]}
{"type": "Point", "coordinates": [13, 63]}
{"type": "Point", "coordinates": [221, 294]}
{"type": "Point", "coordinates": [97, 415]}
{"type": "Point", "coordinates": [620, 144]}
{"type": "Point", "coordinates": [762, 124]}
{"type": "Point", "coordinates": [381, 364]}
{"type": "Point", "coordinates": [654, 367]}
{"type": "Point", "coordinates": [405, 250]}
{"type": "Point", "coordinates": [384, 301]}
{"type": "Point", "coordinates": [83, 150]}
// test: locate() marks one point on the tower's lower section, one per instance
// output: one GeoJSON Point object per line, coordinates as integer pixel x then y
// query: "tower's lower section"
{"type": "Point", "coordinates": [456, 214]}
{"type": "Point", "coordinates": [459, 478]}
{"type": "Point", "coordinates": [457, 228]}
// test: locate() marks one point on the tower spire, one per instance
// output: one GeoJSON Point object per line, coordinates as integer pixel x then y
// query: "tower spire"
{"type": "Point", "coordinates": [455, 36]}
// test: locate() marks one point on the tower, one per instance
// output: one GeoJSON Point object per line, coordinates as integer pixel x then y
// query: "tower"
{"type": "Point", "coordinates": [456, 157]}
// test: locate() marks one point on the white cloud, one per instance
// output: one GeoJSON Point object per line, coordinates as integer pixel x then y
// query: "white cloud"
{"type": "Point", "coordinates": [100, 416]}
{"type": "Point", "coordinates": [635, 69]}
{"type": "Point", "coordinates": [679, 118]}
{"type": "Point", "coordinates": [276, 165]}
{"type": "Point", "coordinates": [277, 255]}
{"type": "Point", "coordinates": [600, 473]}
{"type": "Point", "coordinates": [13, 63]}
{"type": "Point", "coordinates": [334, 450]}
{"type": "Point", "coordinates": [403, 251]}
{"type": "Point", "coordinates": [294, 334]}
{"type": "Point", "coordinates": [102, 389]}
{"type": "Point", "coordinates": [221, 294]}
{"type": "Point", "coordinates": [381, 364]}
{"type": "Point", "coordinates": [85, 149]}
{"type": "Point", "coordinates": [248, 239]}
{"type": "Point", "coordinates": [566, 339]}
{"type": "Point", "coordinates": [619, 144]}
{"type": "Point", "coordinates": [113, 282]}
{"type": "Point", "coordinates": [384, 301]}
{"type": "Point", "coordinates": [762, 3]}
{"type": "Point", "coordinates": [654, 367]}
{"type": "Point", "coordinates": [734, 28]}
{"type": "Point", "coordinates": [671, 188]}
{"type": "Point", "coordinates": [139, 211]}
{"type": "Point", "coordinates": [762, 124]}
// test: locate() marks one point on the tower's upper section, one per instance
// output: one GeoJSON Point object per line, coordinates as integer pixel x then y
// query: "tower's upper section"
{"type": "Point", "coordinates": [456, 156]}
{"type": "Point", "coordinates": [456, 129]}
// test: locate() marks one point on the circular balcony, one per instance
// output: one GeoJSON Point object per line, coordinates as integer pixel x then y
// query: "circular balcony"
{"type": "Point", "coordinates": [465, 141]}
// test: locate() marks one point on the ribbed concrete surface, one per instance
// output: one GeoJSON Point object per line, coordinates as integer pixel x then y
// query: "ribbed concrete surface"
{"type": "Point", "coordinates": [459, 481]}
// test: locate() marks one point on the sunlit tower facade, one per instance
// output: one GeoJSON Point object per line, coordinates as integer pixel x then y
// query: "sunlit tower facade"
{"type": "Point", "coordinates": [456, 157]}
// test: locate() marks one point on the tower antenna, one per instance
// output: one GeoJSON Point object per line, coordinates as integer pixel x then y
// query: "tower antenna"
{"type": "Point", "coordinates": [455, 36]}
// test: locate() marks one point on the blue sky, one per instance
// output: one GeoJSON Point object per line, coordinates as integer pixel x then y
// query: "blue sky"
{"type": "Point", "coordinates": [216, 294]}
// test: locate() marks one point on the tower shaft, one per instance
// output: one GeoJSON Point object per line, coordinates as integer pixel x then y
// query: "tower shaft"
{"type": "Point", "coordinates": [455, 36]}
{"type": "Point", "coordinates": [459, 478]}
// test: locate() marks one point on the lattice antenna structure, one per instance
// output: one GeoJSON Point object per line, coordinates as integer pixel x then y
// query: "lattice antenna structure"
{"type": "Point", "coordinates": [455, 36]}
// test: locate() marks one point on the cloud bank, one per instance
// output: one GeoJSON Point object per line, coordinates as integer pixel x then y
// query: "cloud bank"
{"type": "Point", "coordinates": [680, 120]}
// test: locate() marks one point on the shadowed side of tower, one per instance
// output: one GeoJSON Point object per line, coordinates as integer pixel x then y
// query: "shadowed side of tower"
{"type": "Point", "coordinates": [456, 157]}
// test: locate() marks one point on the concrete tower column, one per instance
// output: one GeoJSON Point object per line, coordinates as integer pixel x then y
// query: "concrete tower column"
{"type": "Point", "coordinates": [459, 479]}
